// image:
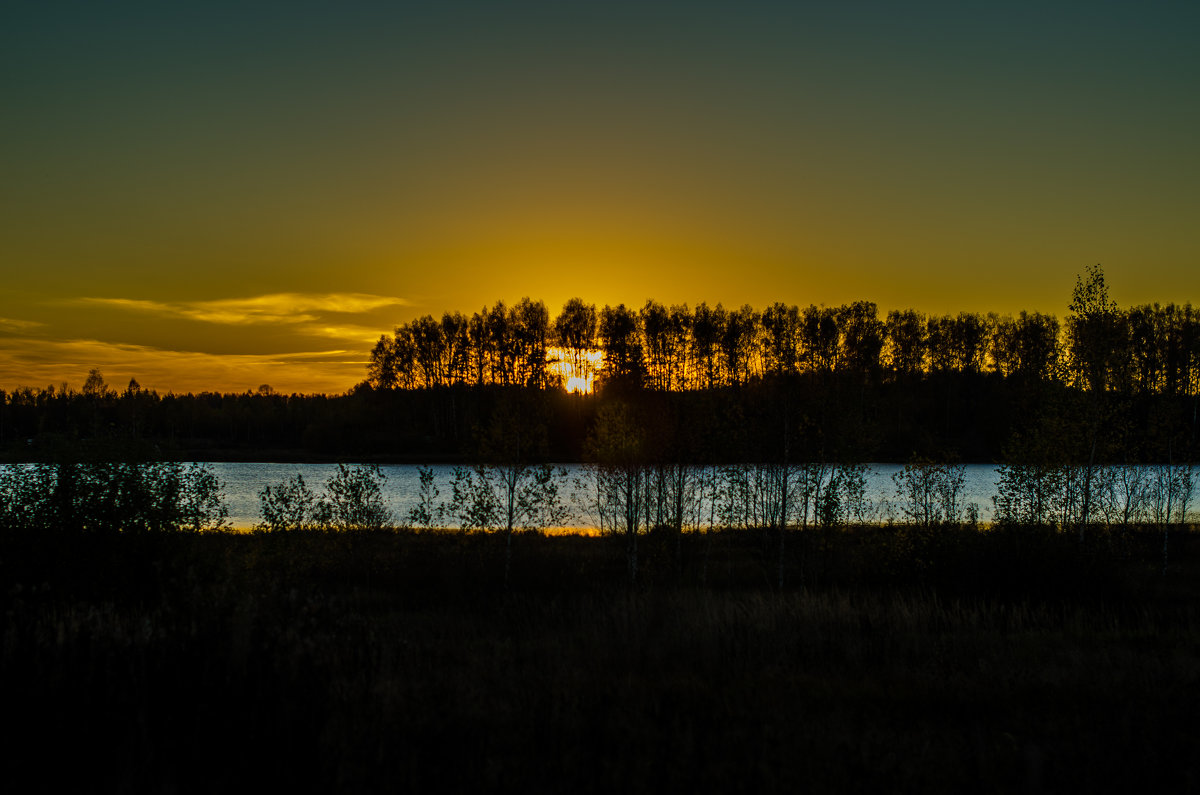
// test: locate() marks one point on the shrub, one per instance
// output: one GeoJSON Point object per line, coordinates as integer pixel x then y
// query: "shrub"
{"type": "Point", "coordinates": [353, 499]}
{"type": "Point", "coordinates": [110, 497]}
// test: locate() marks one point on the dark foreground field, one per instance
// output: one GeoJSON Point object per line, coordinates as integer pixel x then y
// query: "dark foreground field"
{"type": "Point", "coordinates": [960, 661]}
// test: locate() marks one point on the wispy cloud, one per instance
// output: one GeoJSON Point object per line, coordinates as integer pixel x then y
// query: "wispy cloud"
{"type": "Point", "coordinates": [12, 324]}
{"type": "Point", "coordinates": [296, 342]}
{"type": "Point", "coordinates": [274, 308]}
{"type": "Point", "coordinates": [365, 334]}
{"type": "Point", "coordinates": [41, 362]}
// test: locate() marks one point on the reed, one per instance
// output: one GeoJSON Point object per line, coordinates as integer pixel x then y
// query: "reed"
{"type": "Point", "coordinates": [368, 661]}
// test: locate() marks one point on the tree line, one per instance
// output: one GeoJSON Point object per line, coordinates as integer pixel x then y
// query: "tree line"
{"type": "Point", "coordinates": [1143, 349]}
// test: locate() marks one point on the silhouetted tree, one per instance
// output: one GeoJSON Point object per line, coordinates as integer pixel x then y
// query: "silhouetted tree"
{"type": "Point", "coordinates": [1095, 332]}
{"type": "Point", "coordinates": [355, 498]}
{"type": "Point", "coordinates": [531, 336]}
{"type": "Point", "coordinates": [290, 505]}
{"type": "Point", "coordinates": [678, 333]}
{"type": "Point", "coordinates": [382, 368]}
{"type": "Point", "coordinates": [969, 334]}
{"type": "Point", "coordinates": [511, 487]}
{"type": "Point", "coordinates": [1027, 346]}
{"type": "Point", "coordinates": [457, 341]}
{"type": "Point", "coordinates": [820, 333]}
{"type": "Point", "coordinates": [575, 333]}
{"type": "Point", "coordinates": [906, 342]}
{"type": "Point", "coordinates": [781, 339]}
{"type": "Point", "coordinates": [708, 329]}
{"type": "Point", "coordinates": [740, 347]}
{"type": "Point", "coordinates": [94, 386]}
{"type": "Point", "coordinates": [428, 509]}
{"type": "Point", "coordinates": [500, 345]}
{"type": "Point", "coordinates": [1098, 342]}
{"type": "Point", "coordinates": [930, 493]}
{"type": "Point", "coordinates": [109, 494]}
{"type": "Point", "coordinates": [862, 337]}
{"type": "Point", "coordinates": [352, 500]}
{"type": "Point", "coordinates": [478, 346]}
{"type": "Point", "coordinates": [1163, 349]}
{"type": "Point", "coordinates": [660, 345]}
{"type": "Point", "coordinates": [620, 339]}
{"type": "Point", "coordinates": [619, 476]}
{"type": "Point", "coordinates": [405, 357]}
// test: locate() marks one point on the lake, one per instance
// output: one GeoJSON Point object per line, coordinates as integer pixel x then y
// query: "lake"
{"type": "Point", "coordinates": [243, 482]}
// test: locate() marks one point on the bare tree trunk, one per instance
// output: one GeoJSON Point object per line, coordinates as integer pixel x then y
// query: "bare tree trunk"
{"type": "Point", "coordinates": [1087, 490]}
{"type": "Point", "coordinates": [1170, 493]}
{"type": "Point", "coordinates": [708, 533]}
{"type": "Point", "coordinates": [631, 553]}
{"type": "Point", "coordinates": [633, 485]}
{"type": "Point", "coordinates": [680, 477]}
{"type": "Point", "coordinates": [507, 556]}
{"type": "Point", "coordinates": [511, 478]}
{"type": "Point", "coordinates": [783, 507]}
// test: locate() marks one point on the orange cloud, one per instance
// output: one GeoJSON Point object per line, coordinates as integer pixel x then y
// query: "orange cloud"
{"type": "Point", "coordinates": [18, 326]}
{"type": "Point", "coordinates": [285, 308]}
{"type": "Point", "coordinates": [39, 362]}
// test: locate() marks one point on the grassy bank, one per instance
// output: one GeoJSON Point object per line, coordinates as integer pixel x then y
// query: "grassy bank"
{"type": "Point", "coordinates": [891, 661]}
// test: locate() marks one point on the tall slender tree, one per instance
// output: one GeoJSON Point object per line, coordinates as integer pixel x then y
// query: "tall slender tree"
{"type": "Point", "coordinates": [575, 334]}
{"type": "Point", "coordinates": [620, 339]}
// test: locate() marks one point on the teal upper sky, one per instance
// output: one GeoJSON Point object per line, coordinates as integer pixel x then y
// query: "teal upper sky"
{"type": "Point", "coordinates": [942, 156]}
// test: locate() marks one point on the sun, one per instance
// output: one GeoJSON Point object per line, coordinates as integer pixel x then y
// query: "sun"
{"type": "Point", "coordinates": [560, 364]}
{"type": "Point", "coordinates": [577, 384]}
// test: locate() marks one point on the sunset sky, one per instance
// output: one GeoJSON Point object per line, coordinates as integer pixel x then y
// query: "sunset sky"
{"type": "Point", "coordinates": [216, 195]}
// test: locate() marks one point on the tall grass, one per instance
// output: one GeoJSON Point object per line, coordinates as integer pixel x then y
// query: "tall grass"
{"type": "Point", "coordinates": [371, 661]}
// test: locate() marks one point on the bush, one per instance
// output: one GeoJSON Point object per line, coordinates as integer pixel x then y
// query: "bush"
{"type": "Point", "coordinates": [110, 497]}
{"type": "Point", "coordinates": [289, 506]}
{"type": "Point", "coordinates": [353, 499]}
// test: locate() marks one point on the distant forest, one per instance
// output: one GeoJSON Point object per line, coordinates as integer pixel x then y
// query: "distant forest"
{"type": "Point", "coordinates": [706, 384]}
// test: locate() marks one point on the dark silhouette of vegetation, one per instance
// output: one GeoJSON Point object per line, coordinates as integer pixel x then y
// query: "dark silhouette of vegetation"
{"type": "Point", "coordinates": [512, 488]}
{"type": "Point", "coordinates": [352, 500]}
{"type": "Point", "coordinates": [106, 496]}
{"type": "Point", "coordinates": [1152, 349]}
{"type": "Point", "coordinates": [620, 478]}
{"type": "Point", "coordinates": [1005, 660]}
{"type": "Point", "coordinates": [963, 387]}
{"type": "Point", "coordinates": [931, 494]}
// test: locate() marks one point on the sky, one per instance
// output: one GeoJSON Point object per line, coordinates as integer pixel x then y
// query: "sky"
{"type": "Point", "coordinates": [217, 195]}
